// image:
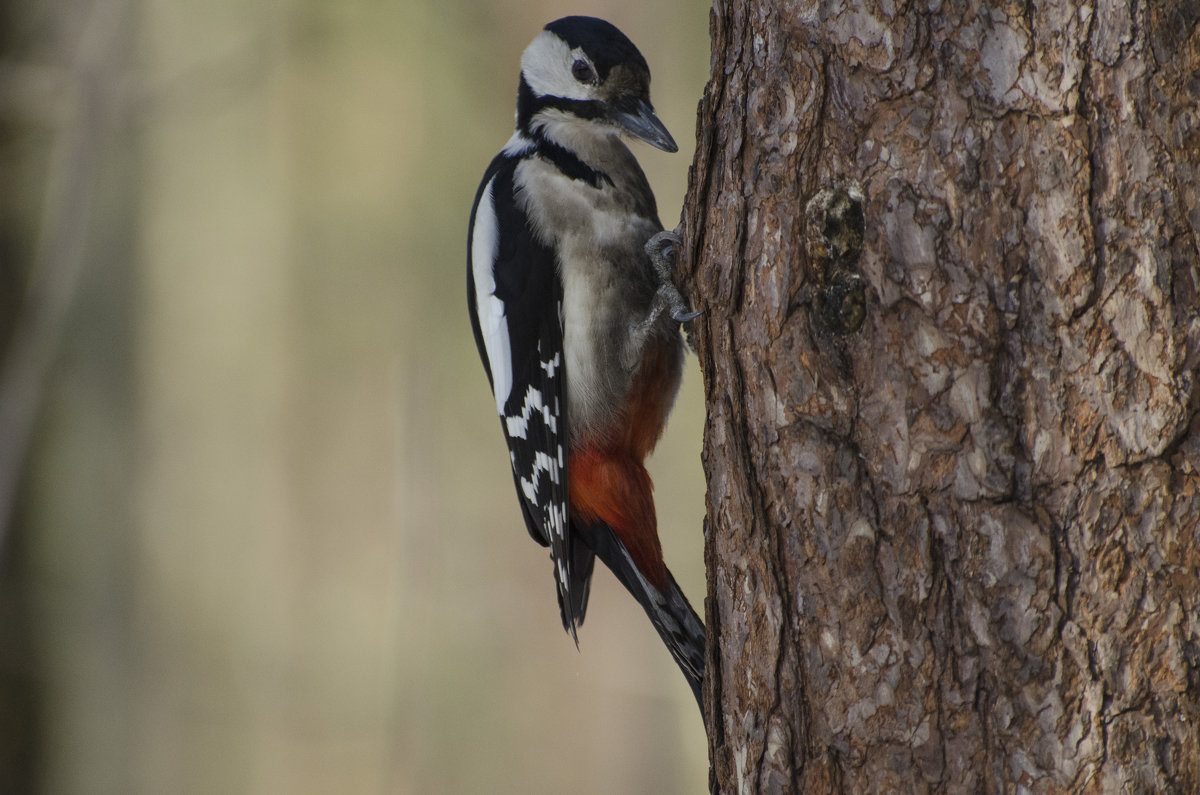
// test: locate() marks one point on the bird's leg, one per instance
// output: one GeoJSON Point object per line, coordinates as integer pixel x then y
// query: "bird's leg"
{"type": "Point", "coordinates": [662, 249]}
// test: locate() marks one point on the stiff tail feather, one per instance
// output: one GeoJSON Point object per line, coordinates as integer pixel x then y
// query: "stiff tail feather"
{"type": "Point", "coordinates": [582, 562]}
{"type": "Point", "coordinates": [677, 623]}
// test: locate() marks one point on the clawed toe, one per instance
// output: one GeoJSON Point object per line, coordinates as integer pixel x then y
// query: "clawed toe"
{"type": "Point", "coordinates": [662, 249]}
{"type": "Point", "coordinates": [663, 244]}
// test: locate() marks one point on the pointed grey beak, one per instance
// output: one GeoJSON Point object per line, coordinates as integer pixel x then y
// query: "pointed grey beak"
{"type": "Point", "coordinates": [643, 124]}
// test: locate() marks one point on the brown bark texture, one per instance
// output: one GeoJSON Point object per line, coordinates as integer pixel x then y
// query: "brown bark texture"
{"type": "Point", "coordinates": [948, 262]}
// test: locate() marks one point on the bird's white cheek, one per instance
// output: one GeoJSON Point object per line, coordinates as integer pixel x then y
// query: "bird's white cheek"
{"type": "Point", "coordinates": [546, 67]}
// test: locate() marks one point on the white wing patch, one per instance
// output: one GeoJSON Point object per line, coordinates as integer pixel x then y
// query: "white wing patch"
{"type": "Point", "coordinates": [518, 424]}
{"type": "Point", "coordinates": [485, 242]}
{"type": "Point", "coordinates": [543, 464]}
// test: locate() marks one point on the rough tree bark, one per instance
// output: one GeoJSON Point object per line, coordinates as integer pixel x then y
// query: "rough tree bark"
{"type": "Point", "coordinates": [954, 479]}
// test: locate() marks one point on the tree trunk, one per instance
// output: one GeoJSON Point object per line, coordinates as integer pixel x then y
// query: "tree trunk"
{"type": "Point", "coordinates": [948, 263]}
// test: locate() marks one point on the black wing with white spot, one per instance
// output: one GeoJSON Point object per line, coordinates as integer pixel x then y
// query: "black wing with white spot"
{"type": "Point", "coordinates": [515, 298]}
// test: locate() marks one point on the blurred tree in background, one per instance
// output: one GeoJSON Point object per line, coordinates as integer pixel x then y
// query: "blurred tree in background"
{"type": "Point", "coordinates": [258, 531]}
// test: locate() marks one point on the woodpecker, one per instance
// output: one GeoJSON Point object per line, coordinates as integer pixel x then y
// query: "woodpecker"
{"type": "Point", "coordinates": [577, 320]}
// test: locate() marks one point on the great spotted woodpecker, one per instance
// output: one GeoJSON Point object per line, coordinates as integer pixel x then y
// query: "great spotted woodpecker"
{"type": "Point", "coordinates": [577, 321]}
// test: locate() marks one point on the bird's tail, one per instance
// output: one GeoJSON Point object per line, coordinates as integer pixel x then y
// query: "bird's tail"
{"type": "Point", "coordinates": [580, 576]}
{"type": "Point", "coordinates": [680, 628]}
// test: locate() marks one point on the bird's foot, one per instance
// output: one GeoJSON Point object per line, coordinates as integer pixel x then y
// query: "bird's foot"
{"type": "Point", "coordinates": [663, 249]}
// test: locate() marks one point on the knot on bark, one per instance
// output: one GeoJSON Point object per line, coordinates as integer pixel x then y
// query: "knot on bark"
{"type": "Point", "coordinates": [834, 237]}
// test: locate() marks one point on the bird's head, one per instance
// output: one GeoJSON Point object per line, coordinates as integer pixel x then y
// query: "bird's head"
{"type": "Point", "coordinates": [582, 77]}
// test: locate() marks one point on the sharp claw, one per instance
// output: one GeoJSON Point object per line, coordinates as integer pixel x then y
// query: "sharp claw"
{"type": "Point", "coordinates": [667, 234]}
{"type": "Point", "coordinates": [662, 250]}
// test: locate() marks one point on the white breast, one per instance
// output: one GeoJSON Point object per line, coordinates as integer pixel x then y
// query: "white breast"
{"type": "Point", "coordinates": [599, 242]}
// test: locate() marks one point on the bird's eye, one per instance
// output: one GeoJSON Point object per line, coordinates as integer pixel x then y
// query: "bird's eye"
{"type": "Point", "coordinates": [582, 71]}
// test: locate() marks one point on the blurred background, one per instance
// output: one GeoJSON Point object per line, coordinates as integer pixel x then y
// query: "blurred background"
{"type": "Point", "coordinates": [258, 532]}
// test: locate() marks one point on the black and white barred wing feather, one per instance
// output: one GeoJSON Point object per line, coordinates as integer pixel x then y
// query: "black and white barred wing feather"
{"type": "Point", "coordinates": [515, 300]}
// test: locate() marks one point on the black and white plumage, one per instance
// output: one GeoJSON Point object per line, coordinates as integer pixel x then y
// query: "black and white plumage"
{"type": "Point", "coordinates": [577, 322]}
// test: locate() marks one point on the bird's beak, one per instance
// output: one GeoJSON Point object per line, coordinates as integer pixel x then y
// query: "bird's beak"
{"type": "Point", "coordinates": [640, 122]}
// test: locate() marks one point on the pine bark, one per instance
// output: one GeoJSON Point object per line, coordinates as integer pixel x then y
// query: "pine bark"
{"type": "Point", "coordinates": [949, 263]}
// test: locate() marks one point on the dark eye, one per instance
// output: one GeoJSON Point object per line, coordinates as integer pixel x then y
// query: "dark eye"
{"type": "Point", "coordinates": [582, 71]}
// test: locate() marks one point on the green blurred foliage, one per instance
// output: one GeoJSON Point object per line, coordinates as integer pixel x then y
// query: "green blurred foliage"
{"type": "Point", "coordinates": [266, 541]}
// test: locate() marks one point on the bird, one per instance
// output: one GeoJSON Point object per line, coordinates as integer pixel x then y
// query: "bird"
{"type": "Point", "coordinates": [577, 320]}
